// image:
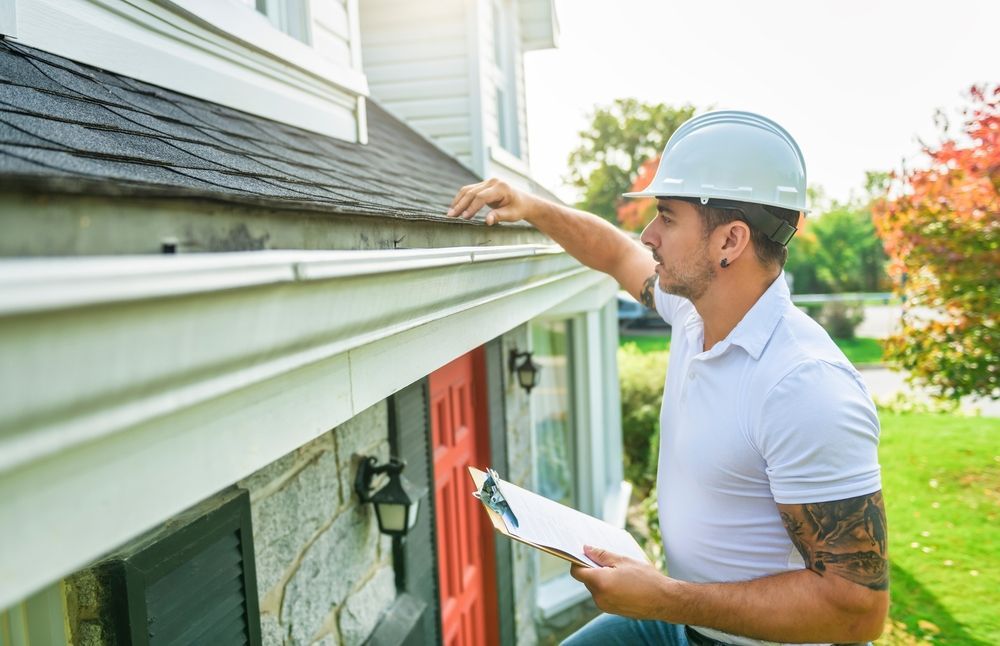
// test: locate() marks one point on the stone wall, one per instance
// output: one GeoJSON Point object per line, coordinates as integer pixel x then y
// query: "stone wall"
{"type": "Point", "coordinates": [324, 573]}
{"type": "Point", "coordinates": [521, 463]}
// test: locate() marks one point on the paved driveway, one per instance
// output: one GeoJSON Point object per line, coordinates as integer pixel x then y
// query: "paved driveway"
{"type": "Point", "coordinates": [885, 383]}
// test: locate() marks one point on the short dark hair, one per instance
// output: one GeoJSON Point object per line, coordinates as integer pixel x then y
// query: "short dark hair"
{"type": "Point", "coordinates": [768, 251]}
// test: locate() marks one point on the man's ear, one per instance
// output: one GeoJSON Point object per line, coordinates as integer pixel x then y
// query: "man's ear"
{"type": "Point", "coordinates": [733, 239]}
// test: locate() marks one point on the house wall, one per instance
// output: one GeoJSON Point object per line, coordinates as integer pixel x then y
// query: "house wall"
{"type": "Point", "coordinates": [418, 61]}
{"type": "Point", "coordinates": [487, 62]}
{"type": "Point", "coordinates": [324, 573]}
{"type": "Point", "coordinates": [331, 30]}
{"type": "Point", "coordinates": [214, 50]}
{"type": "Point", "coordinates": [520, 461]}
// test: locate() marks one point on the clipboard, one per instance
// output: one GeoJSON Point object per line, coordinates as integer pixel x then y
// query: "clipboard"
{"type": "Point", "coordinates": [488, 489]}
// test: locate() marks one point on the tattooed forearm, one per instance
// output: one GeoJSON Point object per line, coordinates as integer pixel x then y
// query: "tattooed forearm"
{"type": "Point", "coordinates": [646, 295]}
{"type": "Point", "coordinates": [843, 537]}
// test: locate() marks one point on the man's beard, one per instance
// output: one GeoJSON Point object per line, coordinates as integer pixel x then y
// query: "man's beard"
{"type": "Point", "coordinates": [691, 283]}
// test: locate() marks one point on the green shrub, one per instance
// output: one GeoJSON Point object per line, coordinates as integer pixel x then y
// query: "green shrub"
{"type": "Point", "coordinates": [641, 376]}
{"type": "Point", "coordinates": [841, 319]}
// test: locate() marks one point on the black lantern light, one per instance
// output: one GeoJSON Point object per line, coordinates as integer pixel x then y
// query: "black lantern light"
{"type": "Point", "coordinates": [397, 503]}
{"type": "Point", "coordinates": [520, 364]}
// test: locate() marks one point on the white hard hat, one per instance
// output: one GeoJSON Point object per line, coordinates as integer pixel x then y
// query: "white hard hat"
{"type": "Point", "coordinates": [738, 160]}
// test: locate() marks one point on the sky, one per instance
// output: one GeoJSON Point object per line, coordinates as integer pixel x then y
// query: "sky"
{"type": "Point", "coordinates": [855, 82]}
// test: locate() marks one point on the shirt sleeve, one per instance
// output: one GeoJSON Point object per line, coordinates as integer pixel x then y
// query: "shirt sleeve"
{"type": "Point", "coordinates": [670, 307]}
{"type": "Point", "coordinates": [818, 433]}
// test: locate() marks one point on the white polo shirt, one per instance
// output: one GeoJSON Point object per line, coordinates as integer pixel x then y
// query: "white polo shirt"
{"type": "Point", "coordinates": [773, 413]}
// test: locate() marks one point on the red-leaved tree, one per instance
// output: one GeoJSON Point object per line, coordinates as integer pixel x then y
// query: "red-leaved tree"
{"type": "Point", "coordinates": [941, 229]}
{"type": "Point", "coordinates": [635, 214]}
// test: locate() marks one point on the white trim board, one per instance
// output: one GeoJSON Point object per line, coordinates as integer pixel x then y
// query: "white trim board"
{"type": "Point", "coordinates": [119, 416]}
{"type": "Point", "coordinates": [8, 18]}
{"type": "Point", "coordinates": [186, 50]}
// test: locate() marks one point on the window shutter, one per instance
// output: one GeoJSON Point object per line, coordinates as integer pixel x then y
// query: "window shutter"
{"type": "Point", "coordinates": [190, 582]}
{"type": "Point", "coordinates": [416, 556]}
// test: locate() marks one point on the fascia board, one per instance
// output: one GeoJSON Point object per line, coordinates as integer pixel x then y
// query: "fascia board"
{"type": "Point", "coordinates": [80, 478]}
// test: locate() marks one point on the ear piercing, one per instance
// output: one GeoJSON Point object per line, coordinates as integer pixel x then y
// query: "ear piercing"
{"type": "Point", "coordinates": [724, 263]}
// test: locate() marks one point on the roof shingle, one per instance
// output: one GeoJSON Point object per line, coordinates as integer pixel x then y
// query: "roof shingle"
{"type": "Point", "coordinates": [62, 121]}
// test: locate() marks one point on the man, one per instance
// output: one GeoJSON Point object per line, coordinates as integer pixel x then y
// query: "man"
{"type": "Point", "coordinates": [769, 485]}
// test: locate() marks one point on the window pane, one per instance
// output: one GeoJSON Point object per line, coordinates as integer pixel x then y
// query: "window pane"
{"type": "Point", "coordinates": [555, 461]}
{"type": "Point", "coordinates": [502, 130]}
{"type": "Point", "coordinates": [290, 16]}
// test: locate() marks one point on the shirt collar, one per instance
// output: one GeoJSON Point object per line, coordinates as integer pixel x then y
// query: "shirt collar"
{"type": "Point", "coordinates": [755, 329]}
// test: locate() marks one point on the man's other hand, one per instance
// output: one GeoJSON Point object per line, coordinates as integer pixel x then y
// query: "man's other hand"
{"type": "Point", "coordinates": [507, 203]}
{"type": "Point", "coordinates": [623, 586]}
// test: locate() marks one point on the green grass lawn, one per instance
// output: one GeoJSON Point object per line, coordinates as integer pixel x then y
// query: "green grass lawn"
{"type": "Point", "coordinates": [941, 479]}
{"type": "Point", "coordinates": [647, 343]}
{"type": "Point", "coordinates": [859, 351]}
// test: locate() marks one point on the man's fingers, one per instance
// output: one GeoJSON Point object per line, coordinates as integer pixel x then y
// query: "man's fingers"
{"type": "Point", "coordinates": [466, 195]}
{"type": "Point", "coordinates": [500, 215]}
{"type": "Point", "coordinates": [463, 195]}
{"type": "Point", "coordinates": [582, 573]}
{"type": "Point", "coordinates": [489, 195]}
{"type": "Point", "coordinates": [604, 558]}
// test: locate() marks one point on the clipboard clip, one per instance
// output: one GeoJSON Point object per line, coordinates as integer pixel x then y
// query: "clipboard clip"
{"type": "Point", "coordinates": [490, 495]}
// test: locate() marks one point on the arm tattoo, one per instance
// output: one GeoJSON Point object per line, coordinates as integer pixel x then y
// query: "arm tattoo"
{"type": "Point", "coordinates": [845, 537]}
{"type": "Point", "coordinates": [646, 294]}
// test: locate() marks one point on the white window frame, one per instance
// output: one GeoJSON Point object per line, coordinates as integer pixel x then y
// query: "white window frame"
{"type": "Point", "coordinates": [219, 50]}
{"type": "Point", "coordinates": [504, 78]}
{"type": "Point", "coordinates": [601, 487]}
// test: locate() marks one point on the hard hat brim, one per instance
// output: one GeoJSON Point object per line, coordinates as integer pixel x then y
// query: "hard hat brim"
{"type": "Point", "coordinates": [679, 194]}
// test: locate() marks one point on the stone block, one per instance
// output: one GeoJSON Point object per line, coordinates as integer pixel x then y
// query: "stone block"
{"type": "Point", "coordinates": [363, 432]}
{"type": "Point", "coordinates": [285, 521]}
{"type": "Point", "coordinates": [263, 482]}
{"type": "Point", "coordinates": [329, 570]}
{"type": "Point", "coordinates": [362, 610]}
{"type": "Point", "coordinates": [272, 633]}
{"type": "Point", "coordinates": [91, 634]}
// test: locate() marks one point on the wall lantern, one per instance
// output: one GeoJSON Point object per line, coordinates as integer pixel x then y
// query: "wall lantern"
{"type": "Point", "coordinates": [397, 503]}
{"type": "Point", "coordinates": [520, 364]}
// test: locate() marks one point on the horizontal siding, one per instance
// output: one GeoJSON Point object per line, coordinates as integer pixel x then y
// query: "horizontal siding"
{"type": "Point", "coordinates": [388, 53]}
{"type": "Point", "coordinates": [411, 70]}
{"type": "Point", "coordinates": [404, 34]}
{"type": "Point", "coordinates": [430, 108]}
{"type": "Point", "coordinates": [331, 33]}
{"type": "Point", "coordinates": [406, 89]}
{"type": "Point", "coordinates": [332, 16]}
{"type": "Point", "coordinates": [417, 64]}
{"type": "Point", "coordinates": [445, 126]}
{"type": "Point", "coordinates": [330, 45]}
{"type": "Point", "coordinates": [426, 12]}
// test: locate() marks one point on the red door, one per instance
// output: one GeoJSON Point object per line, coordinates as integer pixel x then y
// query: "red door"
{"type": "Point", "coordinates": [460, 437]}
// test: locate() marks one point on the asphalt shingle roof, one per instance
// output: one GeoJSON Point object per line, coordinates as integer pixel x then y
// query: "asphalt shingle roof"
{"type": "Point", "coordinates": [80, 128]}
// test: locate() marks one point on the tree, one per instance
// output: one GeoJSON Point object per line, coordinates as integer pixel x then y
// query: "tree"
{"type": "Point", "coordinates": [837, 251]}
{"type": "Point", "coordinates": [941, 228]}
{"type": "Point", "coordinates": [619, 139]}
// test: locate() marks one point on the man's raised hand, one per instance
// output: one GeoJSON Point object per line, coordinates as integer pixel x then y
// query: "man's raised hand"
{"type": "Point", "coordinates": [507, 203]}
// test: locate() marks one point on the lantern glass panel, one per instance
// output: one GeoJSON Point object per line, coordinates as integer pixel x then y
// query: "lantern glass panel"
{"type": "Point", "coordinates": [391, 516]}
